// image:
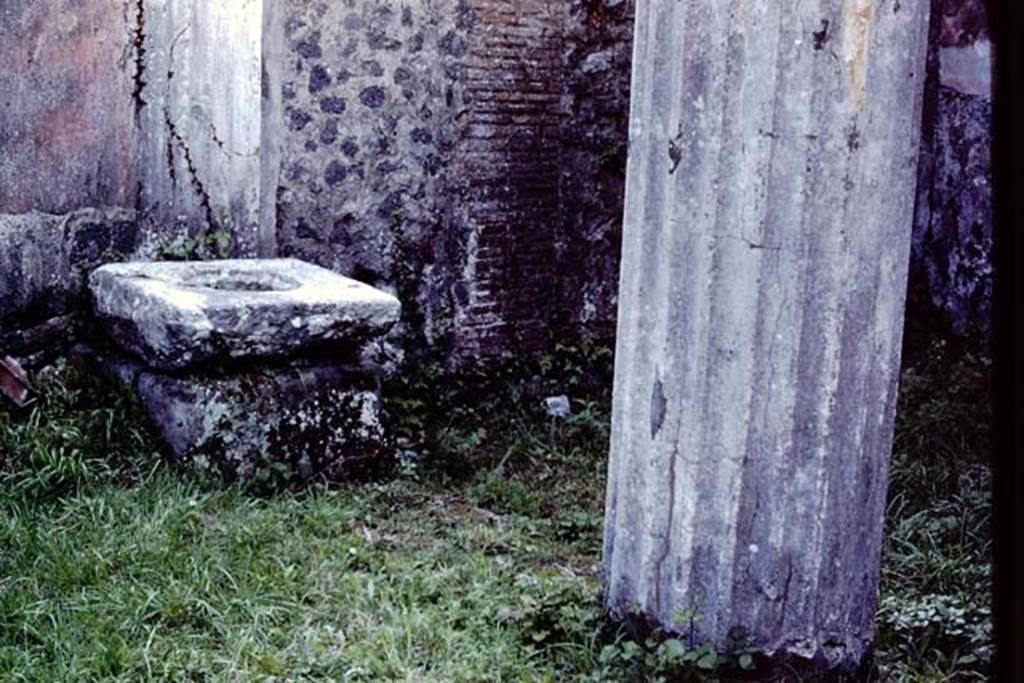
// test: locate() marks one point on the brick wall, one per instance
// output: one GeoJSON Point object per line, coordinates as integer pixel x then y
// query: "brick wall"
{"type": "Point", "coordinates": [509, 156]}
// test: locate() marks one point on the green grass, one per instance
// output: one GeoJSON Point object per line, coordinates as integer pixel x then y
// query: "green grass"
{"type": "Point", "coordinates": [935, 620]}
{"type": "Point", "coordinates": [478, 561]}
{"type": "Point", "coordinates": [170, 580]}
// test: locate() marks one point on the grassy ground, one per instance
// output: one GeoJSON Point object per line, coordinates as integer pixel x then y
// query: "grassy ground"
{"type": "Point", "coordinates": [477, 561]}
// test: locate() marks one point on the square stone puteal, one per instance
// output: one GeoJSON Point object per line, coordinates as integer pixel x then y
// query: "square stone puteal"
{"type": "Point", "coordinates": [180, 314]}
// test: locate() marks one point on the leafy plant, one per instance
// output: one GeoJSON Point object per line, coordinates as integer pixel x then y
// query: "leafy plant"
{"type": "Point", "coordinates": [670, 657]}
{"type": "Point", "coordinates": [208, 245]}
{"type": "Point", "coordinates": [938, 628]}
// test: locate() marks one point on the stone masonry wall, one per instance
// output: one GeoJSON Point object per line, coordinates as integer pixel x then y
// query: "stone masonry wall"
{"type": "Point", "coordinates": [467, 155]}
{"type": "Point", "coordinates": [597, 69]}
{"type": "Point", "coordinates": [45, 260]}
{"type": "Point", "coordinates": [951, 263]}
{"type": "Point", "coordinates": [367, 184]}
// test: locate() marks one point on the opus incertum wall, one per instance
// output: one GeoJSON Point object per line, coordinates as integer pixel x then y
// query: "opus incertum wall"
{"type": "Point", "coordinates": [368, 98]}
{"type": "Point", "coordinates": [951, 264]}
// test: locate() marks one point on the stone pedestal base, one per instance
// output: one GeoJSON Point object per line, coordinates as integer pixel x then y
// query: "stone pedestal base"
{"type": "Point", "coordinates": [284, 422]}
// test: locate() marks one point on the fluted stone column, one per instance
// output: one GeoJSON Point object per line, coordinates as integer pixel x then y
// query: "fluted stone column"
{"type": "Point", "coordinates": [773, 148]}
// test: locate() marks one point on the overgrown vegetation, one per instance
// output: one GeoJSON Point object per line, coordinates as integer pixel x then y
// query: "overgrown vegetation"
{"type": "Point", "coordinates": [479, 561]}
{"type": "Point", "coordinates": [75, 434]}
{"type": "Point", "coordinates": [935, 619]}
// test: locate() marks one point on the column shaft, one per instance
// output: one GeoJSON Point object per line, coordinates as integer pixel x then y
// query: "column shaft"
{"type": "Point", "coordinates": [770, 187]}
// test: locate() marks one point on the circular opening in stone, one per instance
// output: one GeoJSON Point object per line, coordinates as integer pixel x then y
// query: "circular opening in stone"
{"type": "Point", "coordinates": [239, 281]}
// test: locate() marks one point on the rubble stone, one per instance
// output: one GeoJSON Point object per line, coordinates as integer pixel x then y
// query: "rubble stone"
{"type": "Point", "coordinates": [45, 258]}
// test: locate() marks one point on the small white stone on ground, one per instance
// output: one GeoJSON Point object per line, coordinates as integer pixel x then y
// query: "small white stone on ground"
{"type": "Point", "coordinates": [558, 406]}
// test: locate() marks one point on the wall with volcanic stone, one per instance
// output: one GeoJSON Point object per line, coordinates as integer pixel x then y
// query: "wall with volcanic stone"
{"type": "Point", "coordinates": [367, 185]}
{"type": "Point", "coordinates": [951, 264]}
{"type": "Point", "coordinates": [466, 154]}
{"type": "Point", "coordinates": [597, 67]}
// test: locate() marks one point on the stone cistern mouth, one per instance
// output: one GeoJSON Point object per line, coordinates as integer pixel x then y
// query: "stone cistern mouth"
{"type": "Point", "coordinates": [240, 281]}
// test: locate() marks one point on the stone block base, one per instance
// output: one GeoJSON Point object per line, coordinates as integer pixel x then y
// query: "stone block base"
{"type": "Point", "coordinates": [288, 423]}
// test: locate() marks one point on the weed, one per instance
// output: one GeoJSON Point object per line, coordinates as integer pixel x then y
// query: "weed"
{"type": "Point", "coordinates": [209, 245]}
{"type": "Point", "coordinates": [934, 621]}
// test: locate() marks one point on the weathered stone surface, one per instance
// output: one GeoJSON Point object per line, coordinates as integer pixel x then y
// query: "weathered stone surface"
{"type": "Point", "coordinates": [319, 421]}
{"type": "Point", "coordinates": [45, 258]}
{"type": "Point", "coordinates": [31, 266]}
{"type": "Point", "coordinates": [368, 95]}
{"type": "Point", "coordinates": [66, 126]}
{"type": "Point", "coordinates": [951, 264]}
{"type": "Point", "coordinates": [179, 314]}
{"type": "Point", "coordinates": [773, 149]}
{"type": "Point", "coordinates": [593, 165]}
{"type": "Point", "coordinates": [291, 422]}
{"type": "Point", "coordinates": [967, 70]}
{"type": "Point", "coordinates": [38, 343]}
